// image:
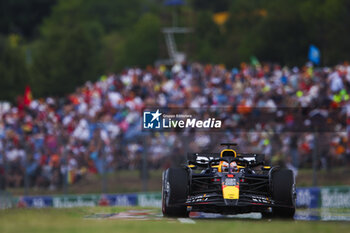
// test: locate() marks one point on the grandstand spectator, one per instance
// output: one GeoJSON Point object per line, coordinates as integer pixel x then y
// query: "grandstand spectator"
{"type": "Point", "coordinates": [96, 129]}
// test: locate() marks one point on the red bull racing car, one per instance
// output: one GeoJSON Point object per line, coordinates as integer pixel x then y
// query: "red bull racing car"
{"type": "Point", "coordinates": [228, 183]}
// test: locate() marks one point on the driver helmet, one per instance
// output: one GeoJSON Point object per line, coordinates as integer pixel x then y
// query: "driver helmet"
{"type": "Point", "coordinates": [224, 166]}
{"type": "Point", "coordinates": [233, 166]}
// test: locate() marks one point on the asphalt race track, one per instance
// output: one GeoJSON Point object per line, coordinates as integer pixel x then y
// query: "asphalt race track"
{"type": "Point", "coordinates": [123, 219]}
{"type": "Point", "coordinates": [155, 214]}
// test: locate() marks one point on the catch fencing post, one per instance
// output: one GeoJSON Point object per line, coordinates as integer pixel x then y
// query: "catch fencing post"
{"type": "Point", "coordinates": [314, 159]}
{"type": "Point", "coordinates": [144, 173]}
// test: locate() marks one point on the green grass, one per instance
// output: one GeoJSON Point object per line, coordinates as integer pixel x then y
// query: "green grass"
{"type": "Point", "coordinates": [72, 221]}
{"type": "Point", "coordinates": [336, 176]}
{"type": "Point", "coordinates": [129, 181]}
{"type": "Point", "coordinates": [125, 181]}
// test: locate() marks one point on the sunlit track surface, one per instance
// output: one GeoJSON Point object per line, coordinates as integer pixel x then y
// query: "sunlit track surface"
{"type": "Point", "coordinates": [301, 215]}
{"type": "Point", "coordinates": [126, 219]}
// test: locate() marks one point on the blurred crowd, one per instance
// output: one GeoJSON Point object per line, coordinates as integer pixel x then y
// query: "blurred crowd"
{"type": "Point", "coordinates": [97, 129]}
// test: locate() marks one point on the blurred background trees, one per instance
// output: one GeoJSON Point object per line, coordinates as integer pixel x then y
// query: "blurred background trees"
{"type": "Point", "coordinates": [13, 70]}
{"type": "Point", "coordinates": [56, 45]}
{"type": "Point", "coordinates": [68, 51]}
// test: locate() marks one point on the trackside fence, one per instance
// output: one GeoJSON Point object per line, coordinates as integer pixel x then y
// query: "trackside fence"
{"type": "Point", "coordinates": [307, 197]}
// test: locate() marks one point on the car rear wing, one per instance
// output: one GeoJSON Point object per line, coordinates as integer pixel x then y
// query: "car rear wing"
{"type": "Point", "coordinates": [203, 159]}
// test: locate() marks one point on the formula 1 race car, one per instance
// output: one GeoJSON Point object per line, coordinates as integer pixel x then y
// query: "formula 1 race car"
{"type": "Point", "coordinates": [228, 183]}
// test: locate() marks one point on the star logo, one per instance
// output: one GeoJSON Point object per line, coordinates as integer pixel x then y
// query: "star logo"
{"type": "Point", "coordinates": [151, 120]}
{"type": "Point", "coordinates": [156, 115]}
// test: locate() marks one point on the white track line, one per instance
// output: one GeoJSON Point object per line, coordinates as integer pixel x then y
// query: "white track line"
{"type": "Point", "coordinates": [186, 220]}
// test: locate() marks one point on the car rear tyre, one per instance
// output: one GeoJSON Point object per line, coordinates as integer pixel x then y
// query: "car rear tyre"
{"type": "Point", "coordinates": [283, 191]}
{"type": "Point", "coordinates": [175, 192]}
